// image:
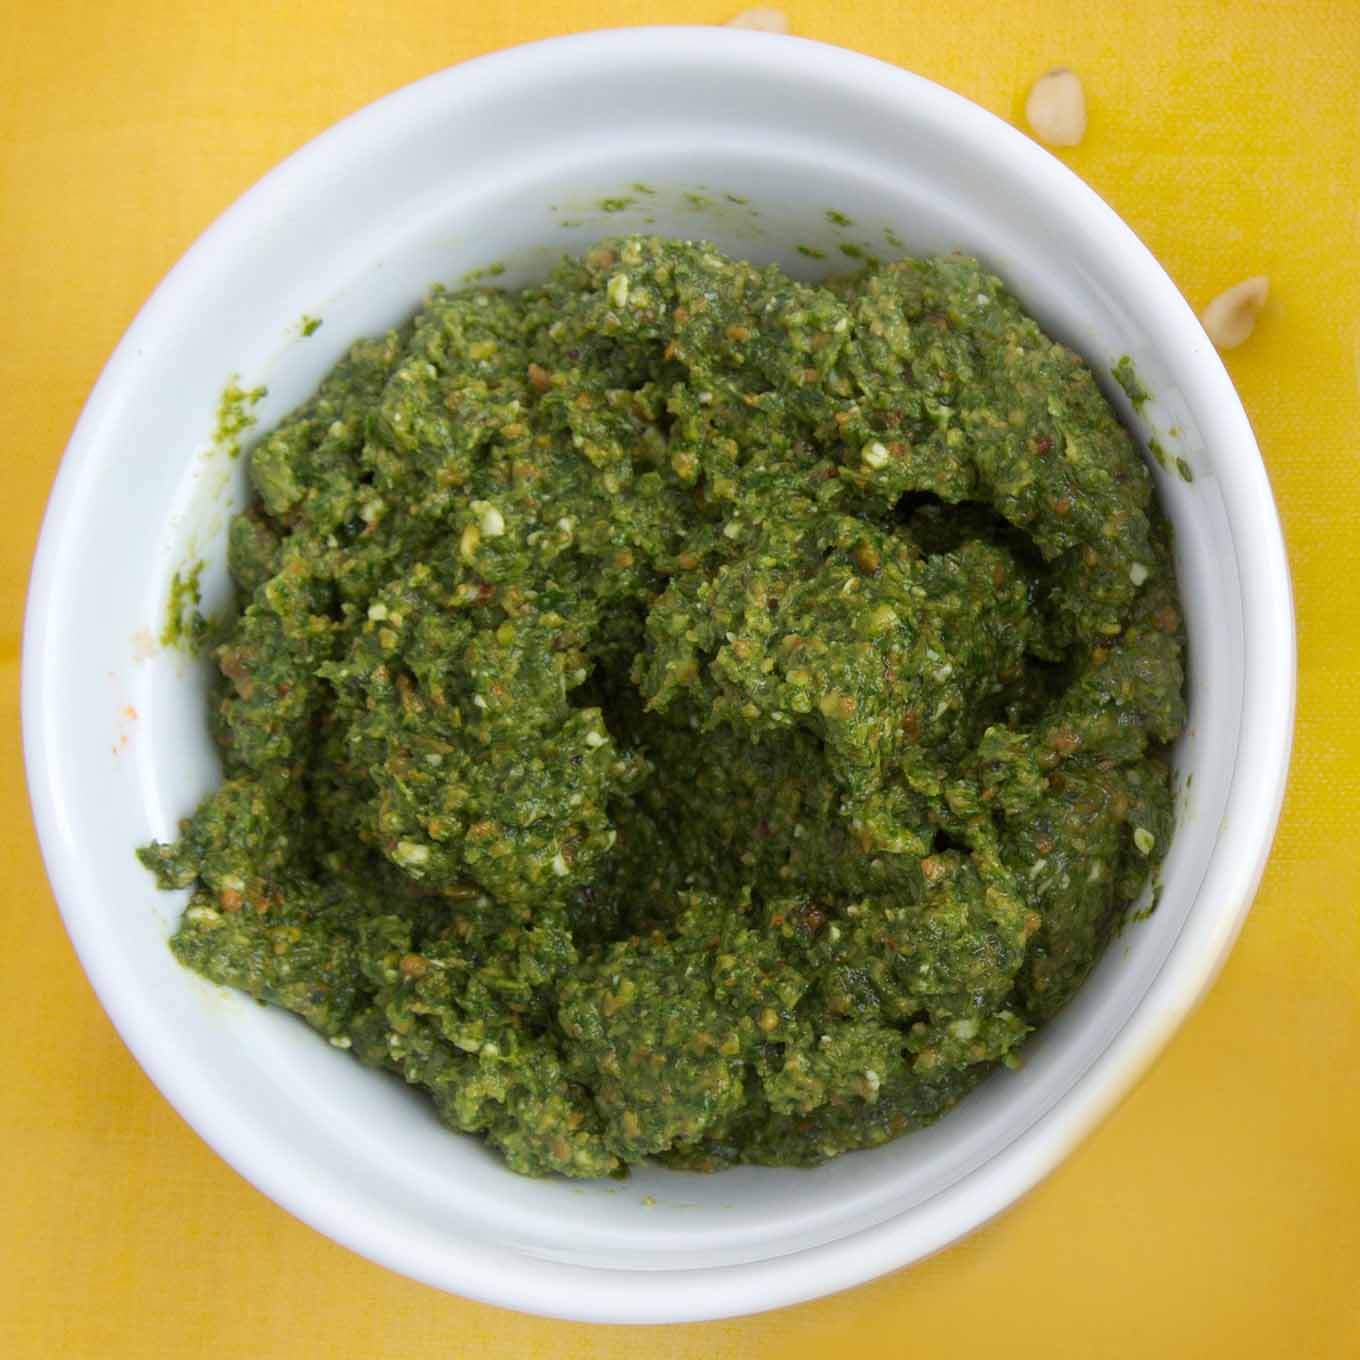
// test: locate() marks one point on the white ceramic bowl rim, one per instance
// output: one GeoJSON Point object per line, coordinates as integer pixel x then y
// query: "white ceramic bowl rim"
{"type": "Point", "coordinates": [501, 1274]}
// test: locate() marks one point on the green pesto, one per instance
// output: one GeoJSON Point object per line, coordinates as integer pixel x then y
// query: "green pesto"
{"type": "Point", "coordinates": [682, 713]}
{"type": "Point", "coordinates": [1127, 377]}
{"type": "Point", "coordinates": [811, 252]}
{"type": "Point", "coordinates": [309, 325]}
{"type": "Point", "coordinates": [234, 414]}
{"type": "Point", "coordinates": [185, 627]}
{"type": "Point", "coordinates": [1158, 452]}
{"type": "Point", "coordinates": [839, 219]}
{"type": "Point", "coordinates": [616, 204]}
{"type": "Point", "coordinates": [1186, 472]}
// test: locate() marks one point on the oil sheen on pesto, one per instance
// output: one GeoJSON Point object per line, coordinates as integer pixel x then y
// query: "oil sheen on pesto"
{"type": "Point", "coordinates": [681, 713]}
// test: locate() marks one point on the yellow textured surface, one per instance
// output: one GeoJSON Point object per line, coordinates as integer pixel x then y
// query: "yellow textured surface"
{"type": "Point", "coordinates": [1218, 1212]}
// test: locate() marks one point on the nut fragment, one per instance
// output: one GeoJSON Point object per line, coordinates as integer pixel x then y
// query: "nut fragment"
{"type": "Point", "coordinates": [1056, 108]}
{"type": "Point", "coordinates": [1231, 316]}
{"type": "Point", "coordinates": [761, 20]}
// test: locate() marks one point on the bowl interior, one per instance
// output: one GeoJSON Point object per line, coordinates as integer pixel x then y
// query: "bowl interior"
{"type": "Point", "coordinates": [762, 146]}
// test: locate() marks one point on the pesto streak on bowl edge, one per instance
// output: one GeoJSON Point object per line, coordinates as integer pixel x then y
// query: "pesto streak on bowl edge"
{"type": "Point", "coordinates": [678, 712]}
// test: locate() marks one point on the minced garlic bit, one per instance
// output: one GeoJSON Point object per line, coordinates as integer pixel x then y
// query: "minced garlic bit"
{"type": "Point", "coordinates": [1231, 317]}
{"type": "Point", "coordinates": [411, 853]}
{"type": "Point", "coordinates": [1056, 108]}
{"type": "Point", "coordinates": [762, 19]}
{"type": "Point", "coordinates": [490, 522]}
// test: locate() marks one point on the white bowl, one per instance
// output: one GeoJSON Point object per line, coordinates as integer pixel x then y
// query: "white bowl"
{"type": "Point", "coordinates": [507, 159]}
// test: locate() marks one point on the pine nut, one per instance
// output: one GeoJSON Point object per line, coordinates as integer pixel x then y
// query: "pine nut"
{"type": "Point", "coordinates": [1231, 317]}
{"type": "Point", "coordinates": [760, 20]}
{"type": "Point", "coordinates": [1056, 108]}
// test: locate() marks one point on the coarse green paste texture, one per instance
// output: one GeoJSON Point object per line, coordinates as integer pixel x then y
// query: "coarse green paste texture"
{"type": "Point", "coordinates": [681, 713]}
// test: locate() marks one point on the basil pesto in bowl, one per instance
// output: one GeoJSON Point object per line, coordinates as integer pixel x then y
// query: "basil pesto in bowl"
{"type": "Point", "coordinates": [676, 706]}
{"type": "Point", "coordinates": [681, 712]}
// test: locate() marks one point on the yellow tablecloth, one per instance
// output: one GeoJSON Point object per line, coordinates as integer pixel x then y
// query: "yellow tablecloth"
{"type": "Point", "coordinates": [1218, 1212]}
